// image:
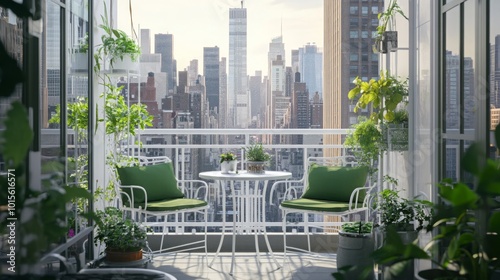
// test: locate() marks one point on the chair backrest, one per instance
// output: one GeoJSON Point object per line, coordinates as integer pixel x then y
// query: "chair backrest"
{"type": "Point", "coordinates": [158, 180]}
{"type": "Point", "coordinates": [334, 179]}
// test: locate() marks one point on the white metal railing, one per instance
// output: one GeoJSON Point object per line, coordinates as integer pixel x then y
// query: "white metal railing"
{"type": "Point", "coordinates": [195, 150]}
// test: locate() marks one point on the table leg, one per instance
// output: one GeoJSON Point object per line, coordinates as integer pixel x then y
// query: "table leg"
{"type": "Point", "coordinates": [223, 186]}
{"type": "Point", "coordinates": [233, 194]}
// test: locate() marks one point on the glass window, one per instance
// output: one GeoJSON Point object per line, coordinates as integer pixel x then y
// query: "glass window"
{"type": "Point", "coordinates": [354, 57]}
{"type": "Point", "coordinates": [353, 10]}
{"type": "Point", "coordinates": [364, 10]}
{"type": "Point", "coordinates": [364, 34]}
{"type": "Point", "coordinates": [375, 10]}
{"type": "Point", "coordinates": [353, 34]}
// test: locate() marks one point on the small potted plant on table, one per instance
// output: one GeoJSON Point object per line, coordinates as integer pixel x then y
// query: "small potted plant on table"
{"type": "Point", "coordinates": [228, 162]}
{"type": "Point", "coordinates": [124, 238]}
{"type": "Point", "coordinates": [256, 158]}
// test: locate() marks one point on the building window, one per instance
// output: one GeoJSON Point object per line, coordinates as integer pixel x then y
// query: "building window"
{"type": "Point", "coordinates": [354, 57]}
{"type": "Point", "coordinates": [364, 10]}
{"type": "Point", "coordinates": [375, 10]}
{"type": "Point", "coordinates": [353, 34]}
{"type": "Point", "coordinates": [354, 10]}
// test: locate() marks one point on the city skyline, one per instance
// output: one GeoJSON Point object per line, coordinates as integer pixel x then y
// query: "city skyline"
{"type": "Point", "coordinates": [196, 24]}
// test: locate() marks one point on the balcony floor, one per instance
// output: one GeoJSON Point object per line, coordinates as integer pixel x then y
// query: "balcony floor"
{"type": "Point", "coordinates": [298, 266]}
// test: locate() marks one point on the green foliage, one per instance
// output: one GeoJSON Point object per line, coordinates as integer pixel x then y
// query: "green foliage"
{"type": "Point", "coordinates": [119, 233]}
{"type": "Point", "coordinates": [227, 157]}
{"type": "Point", "coordinates": [357, 227]}
{"type": "Point", "coordinates": [385, 94]}
{"type": "Point", "coordinates": [256, 152]}
{"type": "Point", "coordinates": [365, 141]}
{"type": "Point", "coordinates": [466, 223]}
{"type": "Point", "coordinates": [115, 44]}
{"type": "Point", "coordinates": [17, 136]}
{"type": "Point", "coordinates": [402, 213]}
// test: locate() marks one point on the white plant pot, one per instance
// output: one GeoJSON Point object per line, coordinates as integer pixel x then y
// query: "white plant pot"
{"type": "Point", "coordinates": [79, 62]}
{"type": "Point", "coordinates": [125, 64]}
{"type": "Point", "coordinates": [228, 166]}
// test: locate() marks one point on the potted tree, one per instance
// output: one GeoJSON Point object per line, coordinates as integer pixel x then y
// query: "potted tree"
{"type": "Point", "coordinates": [355, 246]}
{"type": "Point", "coordinates": [256, 158]}
{"type": "Point", "coordinates": [124, 238]}
{"type": "Point", "coordinates": [228, 162]}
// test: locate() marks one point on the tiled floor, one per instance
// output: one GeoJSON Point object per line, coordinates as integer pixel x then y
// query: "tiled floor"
{"type": "Point", "coordinates": [187, 266]}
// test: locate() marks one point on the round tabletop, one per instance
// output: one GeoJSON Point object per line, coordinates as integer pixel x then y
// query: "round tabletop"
{"type": "Point", "coordinates": [244, 175]}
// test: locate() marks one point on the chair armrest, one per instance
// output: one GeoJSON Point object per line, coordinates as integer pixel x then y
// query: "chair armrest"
{"type": "Point", "coordinates": [131, 199]}
{"type": "Point", "coordinates": [289, 188]}
{"type": "Point", "coordinates": [196, 193]}
{"type": "Point", "coordinates": [353, 200]}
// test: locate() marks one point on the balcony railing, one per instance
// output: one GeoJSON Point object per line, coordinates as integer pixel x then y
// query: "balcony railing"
{"type": "Point", "coordinates": [196, 150]}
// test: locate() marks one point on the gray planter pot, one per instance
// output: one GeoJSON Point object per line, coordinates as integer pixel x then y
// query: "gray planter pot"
{"type": "Point", "coordinates": [355, 249]}
{"type": "Point", "coordinates": [256, 167]}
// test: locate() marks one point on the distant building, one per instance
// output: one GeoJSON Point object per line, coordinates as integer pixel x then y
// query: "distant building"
{"type": "Point", "coordinates": [164, 45]}
{"type": "Point", "coordinates": [311, 68]}
{"type": "Point", "coordinates": [147, 97]}
{"type": "Point", "coordinates": [255, 85]}
{"type": "Point", "coordinates": [301, 115]}
{"type": "Point", "coordinates": [223, 113]}
{"type": "Point", "coordinates": [211, 73]}
{"type": "Point", "coordinates": [145, 41]}
{"type": "Point", "coordinates": [237, 92]}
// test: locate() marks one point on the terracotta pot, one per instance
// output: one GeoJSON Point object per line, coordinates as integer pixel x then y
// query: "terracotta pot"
{"type": "Point", "coordinates": [121, 256]}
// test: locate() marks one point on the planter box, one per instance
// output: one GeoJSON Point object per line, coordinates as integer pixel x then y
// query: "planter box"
{"type": "Point", "coordinates": [125, 64]}
{"type": "Point", "coordinates": [79, 62]}
{"type": "Point", "coordinates": [256, 167]}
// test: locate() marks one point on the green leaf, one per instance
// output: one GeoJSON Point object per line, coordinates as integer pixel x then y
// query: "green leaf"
{"type": "Point", "coordinates": [17, 135]}
{"type": "Point", "coordinates": [460, 195]}
{"type": "Point", "coordinates": [470, 161]}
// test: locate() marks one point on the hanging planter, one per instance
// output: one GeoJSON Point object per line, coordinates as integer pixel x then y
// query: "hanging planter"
{"type": "Point", "coordinates": [395, 136]}
{"type": "Point", "coordinates": [389, 41]}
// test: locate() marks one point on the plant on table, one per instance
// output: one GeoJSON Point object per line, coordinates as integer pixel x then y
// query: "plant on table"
{"type": "Point", "coordinates": [256, 158]}
{"type": "Point", "coordinates": [227, 157]}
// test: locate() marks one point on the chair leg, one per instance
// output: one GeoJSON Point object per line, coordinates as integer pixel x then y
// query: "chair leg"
{"type": "Point", "coordinates": [284, 236]}
{"type": "Point", "coordinates": [163, 232]}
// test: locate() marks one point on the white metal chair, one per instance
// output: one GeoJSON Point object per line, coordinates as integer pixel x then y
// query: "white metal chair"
{"type": "Point", "coordinates": [334, 186]}
{"type": "Point", "coordinates": [151, 190]}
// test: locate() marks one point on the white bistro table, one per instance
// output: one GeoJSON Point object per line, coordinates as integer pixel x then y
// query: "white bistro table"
{"type": "Point", "coordinates": [248, 200]}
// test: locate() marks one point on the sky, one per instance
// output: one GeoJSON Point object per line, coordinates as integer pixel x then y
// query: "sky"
{"type": "Point", "coordinates": [205, 23]}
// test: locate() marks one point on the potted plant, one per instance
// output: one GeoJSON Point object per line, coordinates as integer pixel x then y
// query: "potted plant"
{"type": "Point", "coordinates": [124, 238]}
{"type": "Point", "coordinates": [256, 158]}
{"type": "Point", "coordinates": [407, 217]}
{"type": "Point", "coordinates": [384, 94]}
{"type": "Point", "coordinates": [355, 247]}
{"type": "Point", "coordinates": [387, 39]}
{"type": "Point", "coordinates": [121, 50]}
{"type": "Point", "coordinates": [365, 141]}
{"type": "Point", "coordinates": [228, 162]}
{"type": "Point", "coordinates": [79, 57]}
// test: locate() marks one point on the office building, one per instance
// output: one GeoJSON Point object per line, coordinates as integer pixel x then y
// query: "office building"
{"type": "Point", "coordinates": [211, 73]}
{"type": "Point", "coordinates": [164, 45]}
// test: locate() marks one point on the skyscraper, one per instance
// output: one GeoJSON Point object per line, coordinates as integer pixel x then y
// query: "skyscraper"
{"type": "Point", "coordinates": [145, 41]}
{"type": "Point", "coordinates": [495, 73]}
{"type": "Point", "coordinates": [211, 73]}
{"type": "Point", "coordinates": [164, 44]}
{"type": "Point", "coordinates": [311, 68]}
{"type": "Point", "coordinates": [237, 91]}
{"type": "Point", "coordinates": [348, 29]}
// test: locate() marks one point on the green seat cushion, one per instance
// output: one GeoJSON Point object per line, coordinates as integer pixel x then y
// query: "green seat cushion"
{"type": "Point", "coordinates": [316, 205]}
{"type": "Point", "coordinates": [175, 204]}
{"type": "Point", "coordinates": [158, 180]}
{"type": "Point", "coordinates": [335, 183]}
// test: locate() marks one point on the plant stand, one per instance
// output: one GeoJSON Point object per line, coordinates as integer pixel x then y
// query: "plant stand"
{"type": "Point", "coordinates": [395, 136]}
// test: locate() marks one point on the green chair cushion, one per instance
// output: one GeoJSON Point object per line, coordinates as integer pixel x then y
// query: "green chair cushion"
{"type": "Point", "coordinates": [335, 183]}
{"type": "Point", "coordinates": [158, 180]}
{"type": "Point", "coordinates": [175, 204]}
{"type": "Point", "coordinates": [316, 205]}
